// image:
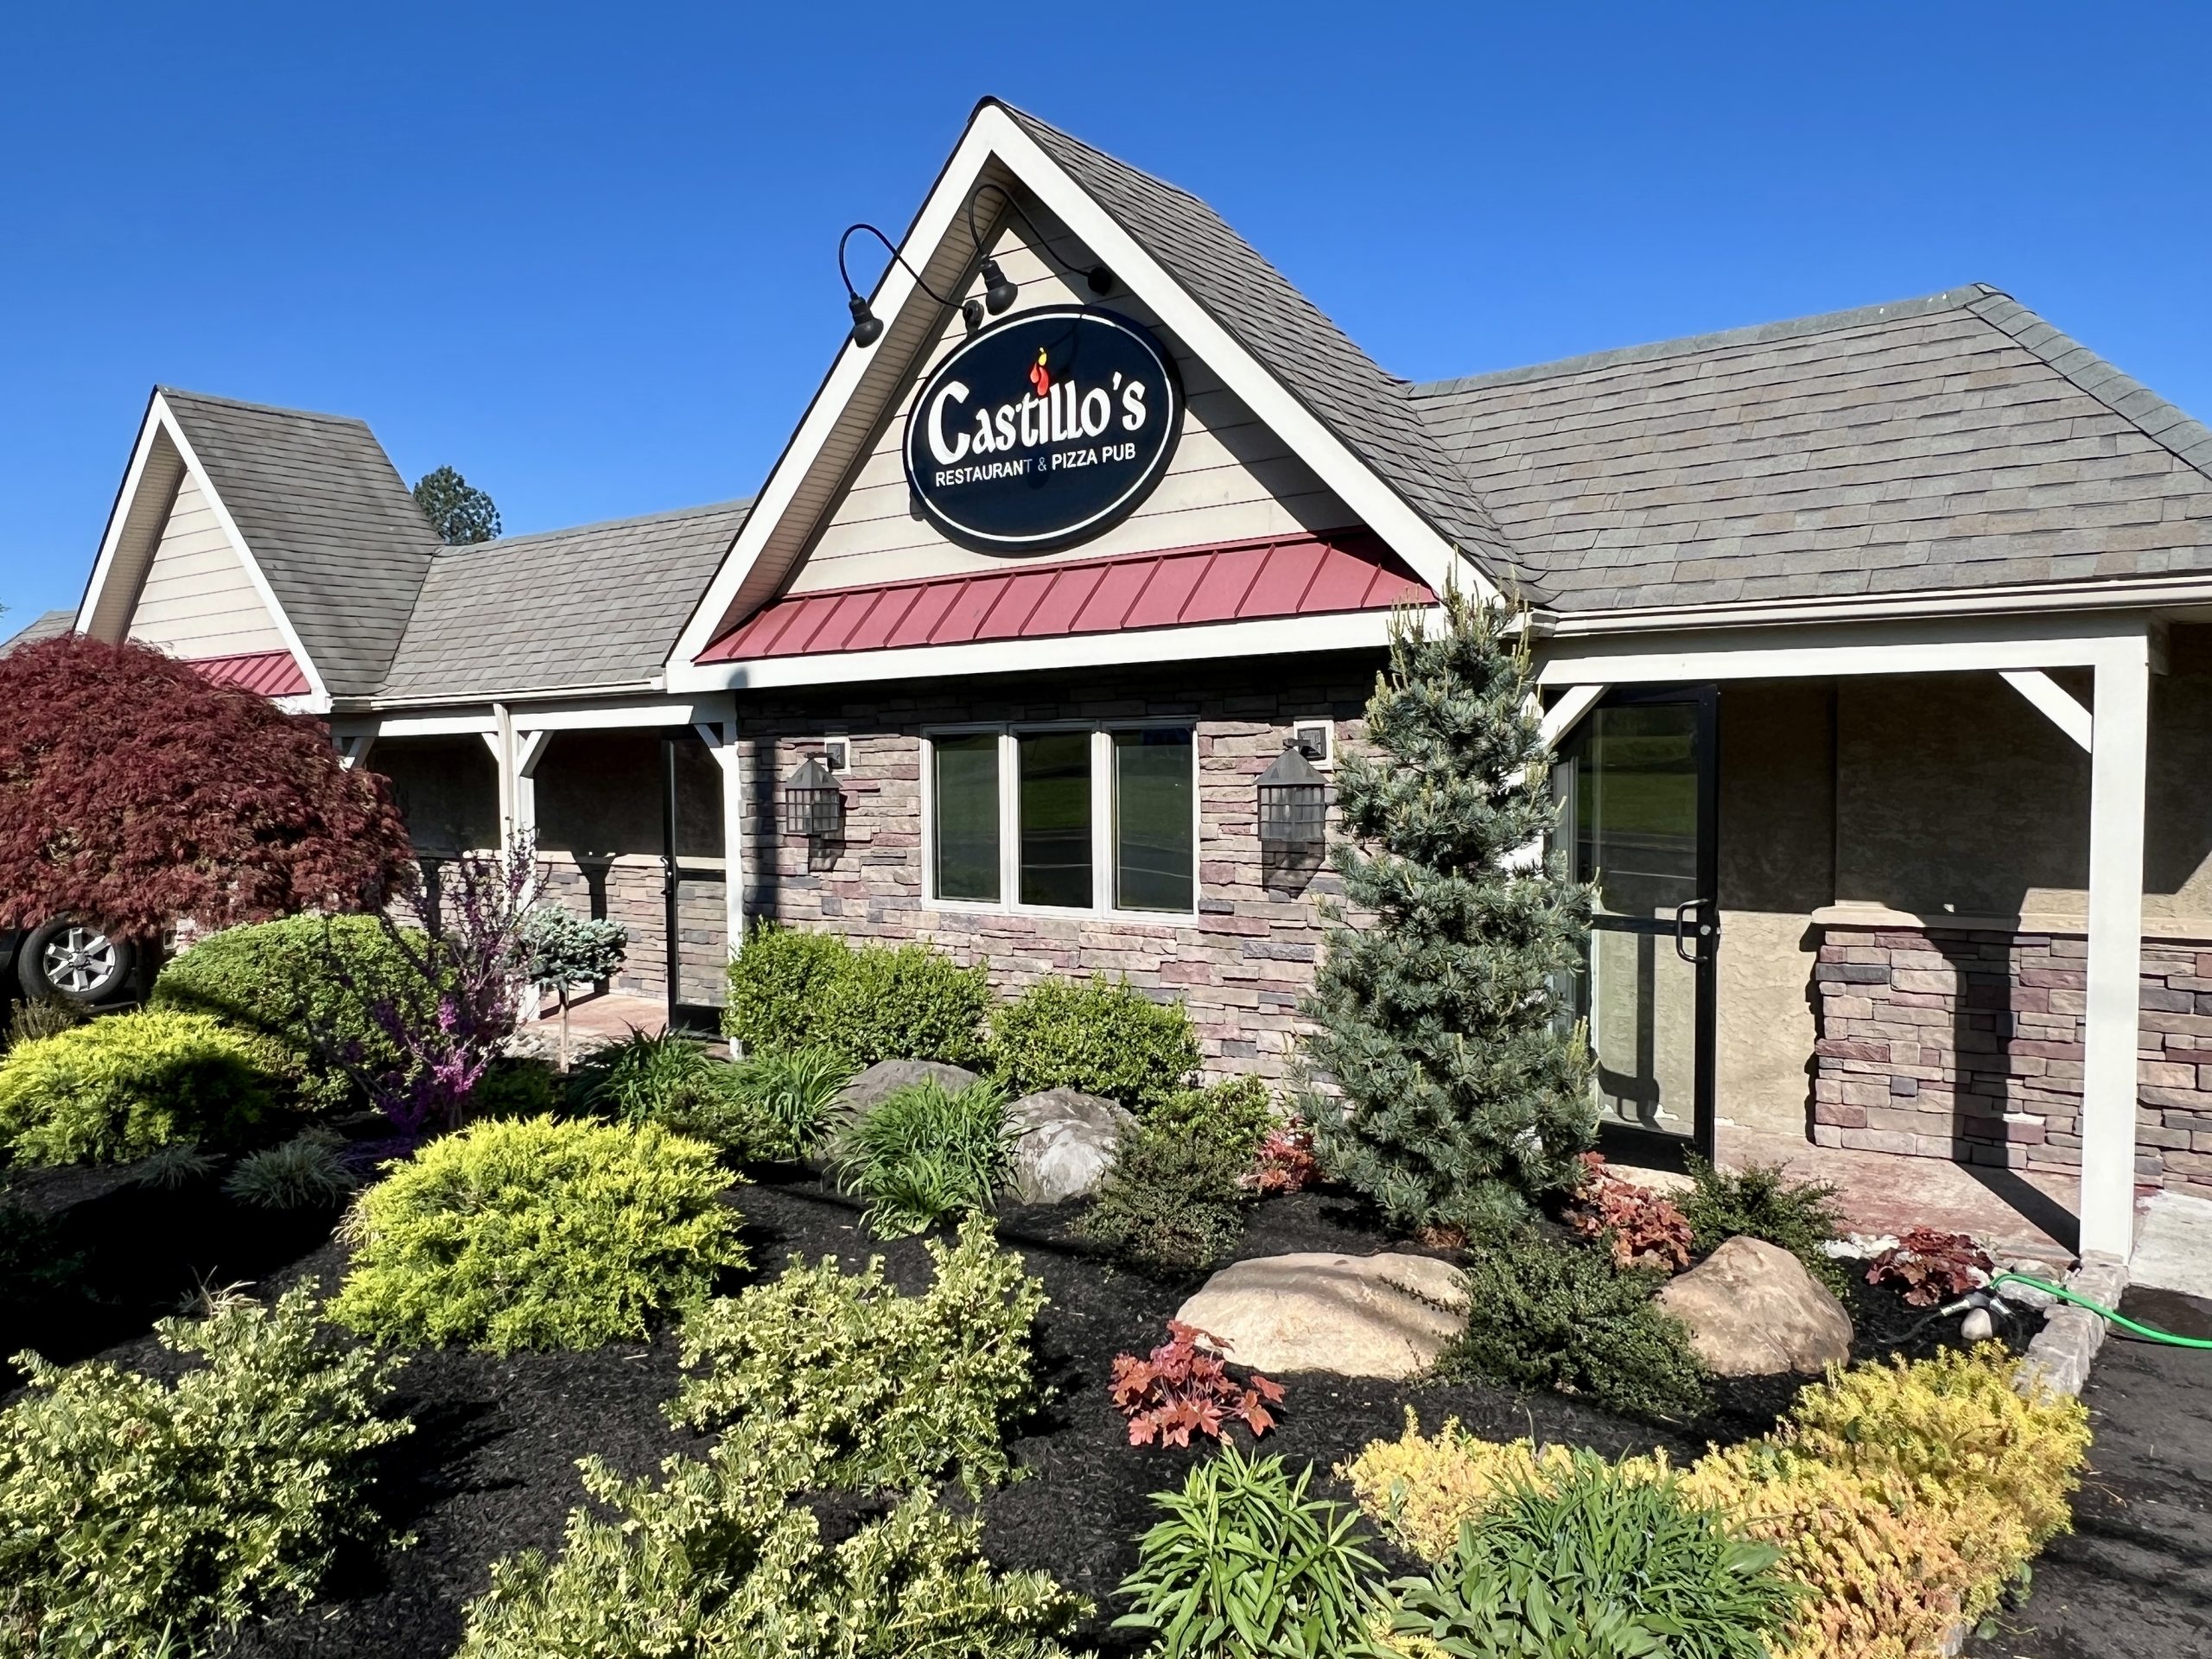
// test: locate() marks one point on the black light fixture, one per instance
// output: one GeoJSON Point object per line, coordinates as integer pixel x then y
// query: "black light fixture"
{"type": "Point", "coordinates": [813, 805]}
{"type": "Point", "coordinates": [998, 292]}
{"type": "Point", "coordinates": [1293, 802]}
{"type": "Point", "coordinates": [868, 327]}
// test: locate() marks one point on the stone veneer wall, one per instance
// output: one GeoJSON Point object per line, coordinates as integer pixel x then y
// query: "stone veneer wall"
{"type": "Point", "coordinates": [1967, 1043]}
{"type": "Point", "coordinates": [629, 891]}
{"type": "Point", "coordinates": [1241, 967]}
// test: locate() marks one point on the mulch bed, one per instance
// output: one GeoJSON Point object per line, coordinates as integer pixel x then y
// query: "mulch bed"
{"type": "Point", "coordinates": [491, 1467]}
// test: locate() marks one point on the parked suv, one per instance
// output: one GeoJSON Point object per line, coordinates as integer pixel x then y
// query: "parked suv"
{"type": "Point", "coordinates": [67, 959]}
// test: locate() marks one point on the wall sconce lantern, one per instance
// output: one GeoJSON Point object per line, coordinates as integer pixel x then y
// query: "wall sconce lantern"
{"type": "Point", "coordinates": [813, 805]}
{"type": "Point", "coordinates": [1294, 803]}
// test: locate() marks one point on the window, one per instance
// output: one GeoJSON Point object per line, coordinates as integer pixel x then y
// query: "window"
{"type": "Point", "coordinates": [1064, 817]}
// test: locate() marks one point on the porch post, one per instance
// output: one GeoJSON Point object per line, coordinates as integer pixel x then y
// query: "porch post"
{"type": "Point", "coordinates": [2120, 729]}
{"type": "Point", "coordinates": [722, 742]}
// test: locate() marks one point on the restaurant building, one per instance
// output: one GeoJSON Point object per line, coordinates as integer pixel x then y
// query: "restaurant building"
{"type": "Point", "coordinates": [1876, 646]}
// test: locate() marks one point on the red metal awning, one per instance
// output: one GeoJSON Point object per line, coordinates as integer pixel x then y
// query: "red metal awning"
{"type": "Point", "coordinates": [1239, 582]}
{"type": "Point", "coordinates": [270, 673]}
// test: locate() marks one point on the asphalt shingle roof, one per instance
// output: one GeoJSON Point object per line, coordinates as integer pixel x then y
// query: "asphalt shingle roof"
{"type": "Point", "coordinates": [1953, 441]}
{"type": "Point", "coordinates": [47, 624]}
{"type": "Point", "coordinates": [1371, 412]}
{"type": "Point", "coordinates": [329, 521]}
{"type": "Point", "coordinates": [600, 605]}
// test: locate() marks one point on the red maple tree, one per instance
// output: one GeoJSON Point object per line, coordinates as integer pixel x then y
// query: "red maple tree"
{"type": "Point", "coordinates": [134, 792]}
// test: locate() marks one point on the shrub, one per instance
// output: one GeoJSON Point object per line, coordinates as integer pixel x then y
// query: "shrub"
{"type": "Point", "coordinates": [566, 950]}
{"type": "Point", "coordinates": [289, 981]}
{"type": "Point", "coordinates": [1419, 1489]}
{"type": "Point", "coordinates": [718, 1559]}
{"type": "Point", "coordinates": [516, 1085]}
{"type": "Point", "coordinates": [791, 990]}
{"type": "Point", "coordinates": [1239, 1110]}
{"type": "Point", "coordinates": [1880, 1581]}
{"type": "Point", "coordinates": [1246, 1566]}
{"type": "Point", "coordinates": [1932, 1266]}
{"type": "Point", "coordinates": [1597, 1563]}
{"type": "Point", "coordinates": [906, 1003]}
{"type": "Point", "coordinates": [537, 1234]}
{"type": "Point", "coordinates": [1170, 1202]}
{"type": "Point", "coordinates": [136, 1506]}
{"type": "Point", "coordinates": [1761, 1202]}
{"type": "Point", "coordinates": [1285, 1162]}
{"type": "Point", "coordinates": [117, 1089]}
{"type": "Point", "coordinates": [1640, 1227]}
{"type": "Point", "coordinates": [1180, 1387]}
{"type": "Point", "coordinates": [304, 1174]}
{"type": "Point", "coordinates": [924, 1153]}
{"type": "Point", "coordinates": [1955, 1433]}
{"type": "Point", "coordinates": [1104, 1037]}
{"type": "Point", "coordinates": [893, 1390]}
{"type": "Point", "coordinates": [1541, 1314]}
{"type": "Point", "coordinates": [792, 1091]}
{"type": "Point", "coordinates": [41, 1016]}
{"type": "Point", "coordinates": [778, 980]}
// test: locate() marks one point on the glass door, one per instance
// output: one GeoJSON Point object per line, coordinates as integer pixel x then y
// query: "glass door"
{"type": "Point", "coordinates": [1638, 778]}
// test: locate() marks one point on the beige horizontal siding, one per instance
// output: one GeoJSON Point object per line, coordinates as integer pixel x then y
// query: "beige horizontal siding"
{"type": "Point", "coordinates": [1231, 477]}
{"type": "Point", "coordinates": [197, 600]}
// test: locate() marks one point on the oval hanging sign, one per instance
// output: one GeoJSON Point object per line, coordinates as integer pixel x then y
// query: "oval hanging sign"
{"type": "Point", "coordinates": [1044, 429]}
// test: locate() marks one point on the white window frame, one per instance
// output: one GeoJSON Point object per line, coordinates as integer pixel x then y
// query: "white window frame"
{"type": "Point", "coordinates": [1101, 817]}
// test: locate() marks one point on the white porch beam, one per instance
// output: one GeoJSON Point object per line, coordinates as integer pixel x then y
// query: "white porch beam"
{"type": "Point", "coordinates": [353, 747]}
{"type": "Point", "coordinates": [2121, 725]}
{"type": "Point", "coordinates": [1938, 647]}
{"type": "Point", "coordinates": [456, 725]}
{"type": "Point", "coordinates": [720, 737]}
{"type": "Point", "coordinates": [612, 714]}
{"type": "Point", "coordinates": [1563, 715]}
{"type": "Point", "coordinates": [2053, 701]}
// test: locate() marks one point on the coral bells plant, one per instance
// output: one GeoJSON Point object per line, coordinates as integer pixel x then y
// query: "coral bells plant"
{"type": "Point", "coordinates": [1285, 1161]}
{"type": "Point", "coordinates": [1180, 1387]}
{"type": "Point", "coordinates": [1642, 1228]}
{"type": "Point", "coordinates": [1931, 1265]}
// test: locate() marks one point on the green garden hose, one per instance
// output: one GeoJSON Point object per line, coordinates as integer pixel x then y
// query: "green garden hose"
{"type": "Point", "coordinates": [2151, 1333]}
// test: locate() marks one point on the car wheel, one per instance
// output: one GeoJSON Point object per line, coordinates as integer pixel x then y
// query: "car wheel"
{"type": "Point", "coordinates": [74, 961]}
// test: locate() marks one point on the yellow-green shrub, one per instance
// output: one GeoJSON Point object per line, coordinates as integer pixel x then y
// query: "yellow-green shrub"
{"type": "Point", "coordinates": [1904, 1496]}
{"type": "Point", "coordinates": [118, 1088]}
{"type": "Point", "coordinates": [537, 1234]}
{"type": "Point", "coordinates": [1419, 1488]}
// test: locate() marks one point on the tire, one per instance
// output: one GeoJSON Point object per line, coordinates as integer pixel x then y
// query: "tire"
{"type": "Point", "coordinates": [75, 963]}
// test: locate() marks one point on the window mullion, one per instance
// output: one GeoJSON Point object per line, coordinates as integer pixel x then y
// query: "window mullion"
{"type": "Point", "coordinates": [1009, 822]}
{"type": "Point", "coordinates": [1102, 819]}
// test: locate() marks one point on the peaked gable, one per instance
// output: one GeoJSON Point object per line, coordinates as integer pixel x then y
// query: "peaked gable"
{"type": "Point", "coordinates": [1256, 356]}
{"type": "Point", "coordinates": [197, 598]}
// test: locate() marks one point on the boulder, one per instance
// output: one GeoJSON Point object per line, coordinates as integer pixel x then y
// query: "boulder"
{"type": "Point", "coordinates": [888, 1077]}
{"type": "Point", "coordinates": [1355, 1315]}
{"type": "Point", "coordinates": [1753, 1310]}
{"type": "Point", "coordinates": [1065, 1141]}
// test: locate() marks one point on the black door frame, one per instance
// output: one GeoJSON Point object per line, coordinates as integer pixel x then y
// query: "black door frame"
{"type": "Point", "coordinates": [1694, 933]}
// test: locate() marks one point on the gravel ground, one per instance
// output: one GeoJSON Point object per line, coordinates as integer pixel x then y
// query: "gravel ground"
{"type": "Point", "coordinates": [492, 1468]}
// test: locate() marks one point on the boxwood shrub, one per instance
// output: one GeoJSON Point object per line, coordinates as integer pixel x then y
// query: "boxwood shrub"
{"type": "Point", "coordinates": [790, 990]}
{"type": "Point", "coordinates": [286, 981]}
{"type": "Point", "coordinates": [118, 1088]}
{"type": "Point", "coordinates": [137, 1508]}
{"type": "Point", "coordinates": [1102, 1036]}
{"type": "Point", "coordinates": [537, 1234]}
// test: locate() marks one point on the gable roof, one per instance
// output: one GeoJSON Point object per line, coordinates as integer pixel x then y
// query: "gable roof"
{"type": "Point", "coordinates": [1372, 412]}
{"type": "Point", "coordinates": [597, 606]}
{"type": "Point", "coordinates": [331, 527]}
{"type": "Point", "coordinates": [1956, 441]}
{"type": "Point", "coordinates": [47, 624]}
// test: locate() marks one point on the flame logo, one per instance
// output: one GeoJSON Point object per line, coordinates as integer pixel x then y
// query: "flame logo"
{"type": "Point", "coordinates": [1040, 376]}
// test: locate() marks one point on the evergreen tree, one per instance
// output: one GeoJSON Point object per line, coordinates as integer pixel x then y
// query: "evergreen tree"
{"type": "Point", "coordinates": [1466, 1091]}
{"type": "Point", "coordinates": [461, 514]}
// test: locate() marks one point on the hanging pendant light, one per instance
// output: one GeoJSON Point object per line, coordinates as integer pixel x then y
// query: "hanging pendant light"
{"type": "Point", "coordinates": [813, 805]}
{"type": "Point", "coordinates": [1294, 803]}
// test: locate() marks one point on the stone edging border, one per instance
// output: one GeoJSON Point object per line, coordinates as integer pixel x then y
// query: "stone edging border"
{"type": "Point", "coordinates": [2059, 1356]}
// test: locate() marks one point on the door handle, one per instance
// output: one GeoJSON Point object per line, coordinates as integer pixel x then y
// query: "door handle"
{"type": "Point", "coordinates": [1692, 949]}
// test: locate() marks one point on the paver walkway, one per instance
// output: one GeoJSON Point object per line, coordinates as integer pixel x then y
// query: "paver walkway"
{"type": "Point", "coordinates": [2134, 1578]}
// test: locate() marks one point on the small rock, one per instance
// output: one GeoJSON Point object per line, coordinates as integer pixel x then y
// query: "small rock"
{"type": "Point", "coordinates": [1753, 1310]}
{"type": "Point", "coordinates": [888, 1077]}
{"type": "Point", "coordinates": [1387, 1315]}
{"type": "Point", "coordinates": [1977, 1325]}
{"type": "Point", "coordinates": [1065, 1143]}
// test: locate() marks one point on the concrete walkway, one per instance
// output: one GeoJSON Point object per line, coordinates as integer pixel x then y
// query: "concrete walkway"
{"type": "Point", "coordinates": [2135, 1576]}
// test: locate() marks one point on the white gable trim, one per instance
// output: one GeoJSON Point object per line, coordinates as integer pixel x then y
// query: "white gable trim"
{"type": "Point", "coordinates": [994, 137]}
{"type": "Point", "coordinates": [161, 420]}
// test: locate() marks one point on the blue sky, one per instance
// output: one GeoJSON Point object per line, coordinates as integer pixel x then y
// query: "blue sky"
{"type": "Point", "coordinates": [586, 254]}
